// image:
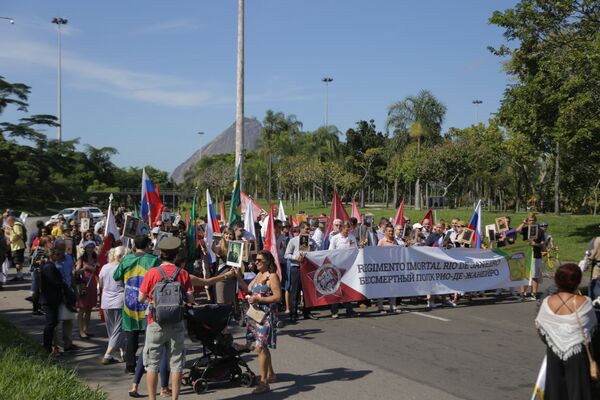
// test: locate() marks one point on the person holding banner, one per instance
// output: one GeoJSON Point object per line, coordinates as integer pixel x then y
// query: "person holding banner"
{"type": "Point", "coordinates": [388, 240]}
{"type": "Point", "coordinates": [295, 257]}
{"type": "Point", "coordinates": [566, 323]}
{"type": "Point", "coordinates": [343, 240]}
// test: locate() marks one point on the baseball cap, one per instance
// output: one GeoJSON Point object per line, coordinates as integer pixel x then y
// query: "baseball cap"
{"type": "Point", "coordinates": [417, 226]}
{"type": "Point", "coordinates": [155, 230]}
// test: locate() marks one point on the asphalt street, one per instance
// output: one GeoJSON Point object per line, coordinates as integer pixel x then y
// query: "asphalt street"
{"type": "Point", "coordinates": [478, 350]}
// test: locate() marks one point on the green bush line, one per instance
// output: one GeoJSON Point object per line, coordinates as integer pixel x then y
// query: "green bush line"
{"type": "Point", "coordinates": [27, 373]}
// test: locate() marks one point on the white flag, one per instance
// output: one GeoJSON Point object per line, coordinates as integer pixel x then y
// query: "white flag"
{"type": "Point", "coordinates": [540, 383]}
{"type": "Point", "coordinates": [111, 225]}
{"type": "Point", "coordinates": [249, 219]}
{"type": "Point", "coordinates": [280, 212]}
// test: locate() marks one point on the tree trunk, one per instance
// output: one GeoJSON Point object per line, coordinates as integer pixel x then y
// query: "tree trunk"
{"type": "Point", "coordinates": [557, 181]}
{"type": "Point", "coordinates": [395, 192]}
{"type": "Point", "coordinates": [417, 194]}
{"type": "Point", "coordinates": [314, 195]}
{"type": "Point", "coordinates": [362, 197]}
{"type": "Point", "coordinates": [387, 195]}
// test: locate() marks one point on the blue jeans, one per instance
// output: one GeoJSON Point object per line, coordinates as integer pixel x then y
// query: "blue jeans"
{"type": "Point", "coordinates": [163, 372]}
{"type": "Point", "coordinates": [594, 289]}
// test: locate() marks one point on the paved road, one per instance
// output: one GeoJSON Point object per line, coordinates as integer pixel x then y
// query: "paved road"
{"type": "Point", "coordinates": [484, 350]}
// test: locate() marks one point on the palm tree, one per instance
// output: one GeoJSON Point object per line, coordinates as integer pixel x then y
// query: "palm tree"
{"type": "Point", "coordinates": [13, 93]}
{"type": "Point", "coordinates": [419, 117]}
{"type": "Point", "coordinates": [277, 134]}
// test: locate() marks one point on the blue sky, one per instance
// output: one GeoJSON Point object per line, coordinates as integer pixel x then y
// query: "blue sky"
{"type": "Point", "coordinates": [145, 76]}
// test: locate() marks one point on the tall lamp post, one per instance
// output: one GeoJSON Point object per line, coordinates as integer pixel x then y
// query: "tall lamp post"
{"type": "Point", "coordinates": [327, 80]}
{"type": "Point", "coordinates": [477, 103]}
{"type": "Point", "coordinates": [239, 104]}
{"type": "Point", "coordinates": [10, 20]}
{"type": "Point", "coordinates": [59, 21]}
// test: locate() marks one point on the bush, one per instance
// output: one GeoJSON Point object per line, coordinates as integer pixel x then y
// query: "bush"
{"type": "Point", "coordinates": [26, 372]}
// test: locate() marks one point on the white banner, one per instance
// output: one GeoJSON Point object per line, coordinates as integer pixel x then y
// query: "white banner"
{"type": "Point", "coordinates": [376, 272]}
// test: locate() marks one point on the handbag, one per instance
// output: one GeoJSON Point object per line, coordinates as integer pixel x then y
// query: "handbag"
{"type": "Point", "coordinates": [594, 373]}
{"type": "Point", "coordinates": [64, 314]}
{"type": "Point", "coordinates": [256, 314]}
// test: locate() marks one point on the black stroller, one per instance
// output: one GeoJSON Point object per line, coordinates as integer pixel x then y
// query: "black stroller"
{"type": "Point", "coordinates": [220, 360]}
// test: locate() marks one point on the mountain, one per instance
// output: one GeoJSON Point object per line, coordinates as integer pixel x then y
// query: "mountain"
{"type": "Point", "coordinates": [223, 143]}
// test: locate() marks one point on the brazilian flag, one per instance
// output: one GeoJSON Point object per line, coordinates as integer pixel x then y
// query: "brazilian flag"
{"type": "Point", "coordinates": [235, 212]}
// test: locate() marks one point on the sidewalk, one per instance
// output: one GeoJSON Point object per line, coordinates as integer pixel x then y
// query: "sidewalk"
{"type": "Point", "coordinates": [304, 368]}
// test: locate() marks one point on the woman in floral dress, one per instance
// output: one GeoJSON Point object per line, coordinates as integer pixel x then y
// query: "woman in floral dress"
{"type": "Point", "coordinates": [266, 294]}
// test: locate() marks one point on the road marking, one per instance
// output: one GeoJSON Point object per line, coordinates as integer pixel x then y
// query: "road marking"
{"type": "Point", "coordinates": [430, 316]}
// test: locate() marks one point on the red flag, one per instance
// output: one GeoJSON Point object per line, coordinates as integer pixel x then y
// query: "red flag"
{"type": "Point", "coordinates": [399, 218]}
{"type": "Point", "coordinates": [256, 209]}
{"type": "Point", "coordinates": [428, 216]}
{"type": "Point", "coordinates": [355, 212]}
{"type": "Point", "coordinates": [271, 240]}
{"type": "Point", "coordinates": [156, 207]}
{"type": "Point", "coordinates": [222, 212]}
{"type": "Point", "coordinates": [107, 244]}
{"type": "Point", "coordinates": [312, 272]}
{"type": "Point", "coordinates": [293, 221]}
{"type": "Point", "coordinates": [337, 212]}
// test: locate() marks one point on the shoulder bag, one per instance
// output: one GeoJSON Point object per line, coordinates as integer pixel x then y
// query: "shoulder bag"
{"type": "Point", "coordinates": [594, 373]}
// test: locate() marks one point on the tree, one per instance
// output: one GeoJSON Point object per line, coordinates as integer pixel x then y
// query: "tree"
{"type": "Point", "coordinates": [419, 117]}
{"type": "Point", "coordinates": [277, 133]}
{"type": "Point", "coordinates": [555, 100]}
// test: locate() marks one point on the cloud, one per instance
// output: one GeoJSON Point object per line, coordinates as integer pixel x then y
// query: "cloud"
{"type": "Point", "coordinates": [153, 88]}
{"type": "Point", "coordinates": [174, 25]}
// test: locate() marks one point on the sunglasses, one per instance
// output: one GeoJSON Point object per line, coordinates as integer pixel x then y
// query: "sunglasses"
{"type": "Point", "coordinates": [260, 259]}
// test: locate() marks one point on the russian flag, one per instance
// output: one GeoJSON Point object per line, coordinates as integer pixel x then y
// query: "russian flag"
{"type": "Point", "coordinates": [150, 198]}
{"type": "Point", "coordinates": [476, 225]}
{"type": "Point", "coordinates": [212, 226]}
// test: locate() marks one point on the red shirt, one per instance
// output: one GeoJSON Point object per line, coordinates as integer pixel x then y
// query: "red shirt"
{"type": "Point", "coordinates": [153, 277]}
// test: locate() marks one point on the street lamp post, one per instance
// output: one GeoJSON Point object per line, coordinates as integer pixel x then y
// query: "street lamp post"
{"type": "Point", "coordinates": [477, 103]}
{"type": "Point", "coordinates": [10, 20]}
{"type": "Point", "coordinates": [239, 103]}
{"type": "Point", "coordinates": [327, 81]}
{"type": "Point", "coordinates": [59, 21]}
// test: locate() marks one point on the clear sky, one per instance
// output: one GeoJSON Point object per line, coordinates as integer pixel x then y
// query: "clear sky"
{"type": "Point", "coordinates": [146, 76]}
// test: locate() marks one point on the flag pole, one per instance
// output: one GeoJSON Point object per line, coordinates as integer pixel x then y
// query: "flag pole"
{"type": "Point", "coordinates": [110, 199]}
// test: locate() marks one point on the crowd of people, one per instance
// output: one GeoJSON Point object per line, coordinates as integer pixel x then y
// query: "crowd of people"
{"type": "Point", "coordinates": [68, 281]}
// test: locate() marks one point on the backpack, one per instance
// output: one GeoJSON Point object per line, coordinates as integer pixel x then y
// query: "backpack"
{"type": "Point", "coordinates": [24, 237]}
{"type": "Point", "coordinates": [168, 296]}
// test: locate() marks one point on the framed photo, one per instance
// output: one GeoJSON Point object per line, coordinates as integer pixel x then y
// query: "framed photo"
{"type": "Point", "coordinates": [235, 253]}
{"type": "Point", "coordinates": [217, 239]}
{"type": "Point", "coordinates": [467, 236]}
{"type": "Point", "coordinates": [131, 226]}
{"type": "Point", "coordinates": [166, 216]}
{"type": "Point", "coordinates": [82, 214]}
{"type": "Point", "coordinates": [533, 231]}
{"type": "Point", "coordinates": [68, 244]}
{"type": "Point", "coordinates": [162, 235]}
{"type": "Point", "coordinates": [501, 224]}
{"type": "Point", "coordinates": [142, 228]}
{"type": "Point", "coordinates": [84, 224]}
{"type": "Point", "coordinates": [177, 219]}
{"type": "Point", "coordinates": [304, 243]}
{"type": "Point", "coordinates": [249, 250]}
{"type": "Point", "coordinates": [490, 231]}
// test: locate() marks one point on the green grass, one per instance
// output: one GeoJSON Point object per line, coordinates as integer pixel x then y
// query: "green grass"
{"type": "Point", "coordinates": [26, 373]}
{"type": "Point", "coordinates": [571, 233]}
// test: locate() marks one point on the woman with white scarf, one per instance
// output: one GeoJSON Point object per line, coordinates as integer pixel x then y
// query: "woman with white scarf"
{"type": "Point", "coordinates": [566, 322]}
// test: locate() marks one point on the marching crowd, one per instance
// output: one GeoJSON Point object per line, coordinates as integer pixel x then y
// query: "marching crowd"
{"type": "Point", "coordinates": [69, 281]}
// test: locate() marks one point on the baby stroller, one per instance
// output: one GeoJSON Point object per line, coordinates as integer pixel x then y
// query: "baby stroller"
{"type": "Point", "coordinates": [220, 360]}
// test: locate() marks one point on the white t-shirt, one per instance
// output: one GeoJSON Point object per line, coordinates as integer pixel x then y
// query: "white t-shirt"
{"type": "Point", "coordinates": [340, 242]}
{"type": "Point", "coordinates": [112, 291]}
